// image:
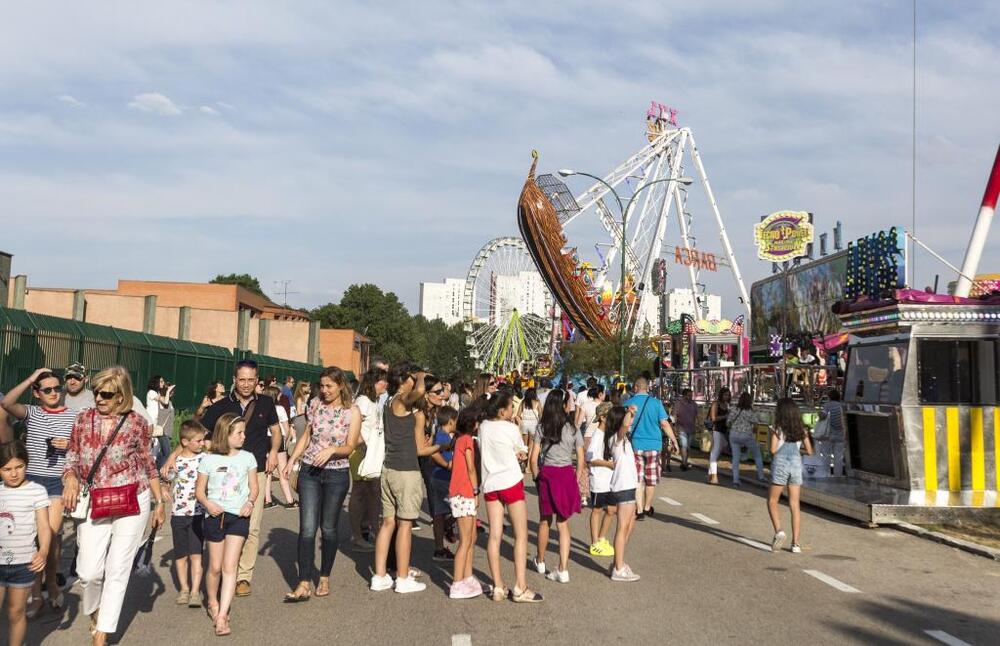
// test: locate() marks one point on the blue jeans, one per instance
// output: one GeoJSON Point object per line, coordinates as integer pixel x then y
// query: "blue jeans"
{"type": "Point", "coordinates": [737, 445]}
{"type": "Point", "coordinates": [321, 497]}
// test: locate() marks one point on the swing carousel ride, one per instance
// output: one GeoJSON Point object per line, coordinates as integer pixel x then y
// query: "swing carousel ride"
{"type": "Point", "coordinates": [590, 292]}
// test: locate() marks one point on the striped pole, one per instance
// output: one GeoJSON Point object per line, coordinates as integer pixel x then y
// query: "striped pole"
{"type": "Point", "coordinates": [980, 231]}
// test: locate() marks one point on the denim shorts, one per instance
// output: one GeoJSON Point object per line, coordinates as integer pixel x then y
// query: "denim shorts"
{"type": "Point", "coordinates": [16, 576]}
{"type": "Point", "coordinates": [683, 440]}
{"type": "Point", "coordinates": [621, 497]}
{"type": "Point", "coordinates": [786, 465]}
{"type": "Point", "coordinates": [216, 528]}
{"type": "Point", "coordinates": [603, 499]}
{"type": "Point", "coordinates": [53, 484]}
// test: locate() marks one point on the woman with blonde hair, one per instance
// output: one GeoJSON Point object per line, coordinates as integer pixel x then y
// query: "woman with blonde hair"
{"type": "Point", "coordinates": [107, 545]}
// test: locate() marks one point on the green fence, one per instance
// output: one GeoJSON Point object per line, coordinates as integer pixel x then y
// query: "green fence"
{"type": "Point", "coordinates": [29, 341]}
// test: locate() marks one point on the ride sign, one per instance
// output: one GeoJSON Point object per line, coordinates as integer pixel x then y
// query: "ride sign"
{"type": "Point", "coordinates": [700, 259]}
{"type": "Point", "coordinates": [784, 235]}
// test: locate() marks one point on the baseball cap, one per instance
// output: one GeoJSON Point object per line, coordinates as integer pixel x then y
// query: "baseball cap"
{"type": "Point", "coordinates": [76, 370]}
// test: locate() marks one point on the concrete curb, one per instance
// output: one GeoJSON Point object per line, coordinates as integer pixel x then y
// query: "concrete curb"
{"type": "Point", "coordinates": [967, 546]}
{"type": "Point", "coordinates": [915, 530]}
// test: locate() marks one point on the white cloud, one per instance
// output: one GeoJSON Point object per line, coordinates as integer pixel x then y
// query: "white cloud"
{"type": "Point", "coordinates": [208, 110]}
{"type": "Point", "coordinates": [71, 100]}
{"type": "Point", "coordinates": [156, 103]}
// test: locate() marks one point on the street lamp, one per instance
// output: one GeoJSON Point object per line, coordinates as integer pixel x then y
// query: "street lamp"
{"type": "Point", "coordinates": [624, 210]}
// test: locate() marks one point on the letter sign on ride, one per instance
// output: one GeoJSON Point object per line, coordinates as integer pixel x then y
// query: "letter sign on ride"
{"type": "Point", "coordinates": [700, 259]}
{"type": "Point", "coordinates": [784, 235]}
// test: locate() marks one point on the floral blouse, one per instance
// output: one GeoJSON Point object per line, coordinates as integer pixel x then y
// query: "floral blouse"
{"type": "Point", "coordinates": [128, 460]}
{"type": "Point", "coordinates": [330, 427]}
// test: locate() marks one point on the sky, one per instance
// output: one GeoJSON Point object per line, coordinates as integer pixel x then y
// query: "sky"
{"type": "Point", "coordinates": [337, 143]}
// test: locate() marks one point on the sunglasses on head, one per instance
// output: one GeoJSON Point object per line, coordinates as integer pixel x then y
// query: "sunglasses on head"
{"type": "Point", "coordinates": [106, 394]}
{"type": "Point", "coordinates": [49, 390]}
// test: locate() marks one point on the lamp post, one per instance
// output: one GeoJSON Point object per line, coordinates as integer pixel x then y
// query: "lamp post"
{"type": "Point", "coordinates": [566, 172]}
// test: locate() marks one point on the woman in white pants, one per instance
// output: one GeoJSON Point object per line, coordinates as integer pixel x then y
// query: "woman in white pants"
{"type": "Point", "coordinates": [719, 416]}
{"type": "Point", "coordinates": [107, 546]}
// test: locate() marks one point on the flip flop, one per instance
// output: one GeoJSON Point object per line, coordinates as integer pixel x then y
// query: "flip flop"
{"type": "Point", "coordinates": [294, 597]}
{"type": "Point", "coordinates": [224, 630]}
{"type": "Point", "coordinates": [323, 589]}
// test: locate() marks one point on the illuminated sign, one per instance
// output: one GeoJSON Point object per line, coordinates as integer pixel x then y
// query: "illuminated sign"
{"type": "Point", "coordinates": [875, 265]}
{"type": "Point", "coordinates": [784, 235]}
{"type": "Point", "coordinates": [700, 259]}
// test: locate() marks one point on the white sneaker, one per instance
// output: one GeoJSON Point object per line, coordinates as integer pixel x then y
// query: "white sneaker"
{"type": "Point", "coordinates": [380, 583]}
{"type": "Point", "coordinates": [625, 574]}
{"type": "Point", "coordinates": [796, 549]}
{"type": "Point", "coordinates": [406, 585]}
{"type": "Point", "coordinates": [778, 541]}
{"type": "Point", "coordinates": [539, 567]}
{"type": "Point", "coordinates": [562, 576]}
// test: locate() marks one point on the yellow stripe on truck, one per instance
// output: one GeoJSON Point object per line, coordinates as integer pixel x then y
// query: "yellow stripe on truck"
{"type": "Point", "coordinates": [930, 450]}
{"type": "Point", "coordinates": [954, 457]}
{"type": "Point", "coordinates": [978, 452]}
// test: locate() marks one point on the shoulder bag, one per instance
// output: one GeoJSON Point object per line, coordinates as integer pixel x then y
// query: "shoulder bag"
{"type": "Point", "coordinates": [371, 465]}
{"type": "Point", "coordinates": [822, 429]}
{"type": "Point", "coordinates": [104, 502]}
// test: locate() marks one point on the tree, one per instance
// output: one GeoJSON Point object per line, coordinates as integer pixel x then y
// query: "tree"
{"type": "Point", "coordinates": [243, 280]}
{"type": "Point", "coordinates": [601, 357]}
{"type": "Point", "coordinates": [447, 354]}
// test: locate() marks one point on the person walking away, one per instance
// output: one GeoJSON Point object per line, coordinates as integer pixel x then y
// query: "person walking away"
{"type": "Point", "coordinates": [49, 427]}
{"type": "Point", "coordinates": [25, 519]}
{"type": "Point", "coordinates": [227, 487]}
{"type": "Point", "coordinates": [741, 436]}
{"type": "Point", "coordinates": [585, 420]}
{"type": "Point", "coordinates": [402, 487]}
{"type": "Point", "coordinates": [602, 507]}
{"type": "Point", "coordinates": [286, 432]}
{"type": "Point", "coordinates": [718, 415]}
{"type": "Point", "coordinates": [625, 480]}
{"type": "Point", "coordinates": [463, 498]}
{"type": "Point", "coordinates": [503, 486]}
{"type": "Point", "coordinates": [77, 396]}
{"type": "Point", "coordinates": [262, 440]}
{"type": "Point", "coordinates": [187, 516]}
{"type": "Point", "coordinates": [365, 505]}
{"type": "Point", "coordinates": [332, 432]}
{"type": "Point", "coordinates": [160, 410]}
{"type": "Point", "coordinates": [650, 423]}
{"type": "Point", "coordinates": [556, 443]}
{"type": "Point", "coordinates": [787, 437]}
{"type": "Point", "coordinates": [833, 443]}
{"type": "Point", "coordinates": [106, 546]}
{"type": "Point", "coordinates": [685, 414]}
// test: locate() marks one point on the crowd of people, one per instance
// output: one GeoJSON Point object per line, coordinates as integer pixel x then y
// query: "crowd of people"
{"type": "Point", "coordinates": [399, 437]}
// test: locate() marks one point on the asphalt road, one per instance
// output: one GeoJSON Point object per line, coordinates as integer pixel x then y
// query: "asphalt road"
{"type": "Point", "coordinates": [705, 579]}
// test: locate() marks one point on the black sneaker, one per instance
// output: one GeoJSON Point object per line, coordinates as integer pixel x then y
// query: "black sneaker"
{"type": "Point", "coordinates": [649, 512]}
{"type": "Point", "coordinates": [640, 516]}
{"type": "Point", "coordinates": [61, 580]}
{"type": "Point", "coordinates": [443, 554]}
{"type": "Point", "coordinates": [268, 505]}
{"type": "Point", "coordinates": [684, 467]}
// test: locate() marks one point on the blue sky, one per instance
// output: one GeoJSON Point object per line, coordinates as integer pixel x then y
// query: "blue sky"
{"type": "Point", "coordinates": [334, 143]}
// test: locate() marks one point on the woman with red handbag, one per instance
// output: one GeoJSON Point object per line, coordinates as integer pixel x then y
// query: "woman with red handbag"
{"type": "Point", "coordinates": [110, 472]}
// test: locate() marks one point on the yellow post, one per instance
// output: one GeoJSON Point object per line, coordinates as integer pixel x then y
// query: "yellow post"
{"type": "Point", "coordinates": [954, 451]}
{"type": "Point", "coordinates": [977, 450]}
{"type": "Point", "coordinates": [930, 450]}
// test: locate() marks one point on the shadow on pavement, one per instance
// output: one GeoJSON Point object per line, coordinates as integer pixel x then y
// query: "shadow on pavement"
{"type": "Point", "coordinates": [915, 617]}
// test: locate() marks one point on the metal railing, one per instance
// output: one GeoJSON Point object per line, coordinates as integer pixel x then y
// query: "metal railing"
{"type": "Point", "coordinates": [765, 382]}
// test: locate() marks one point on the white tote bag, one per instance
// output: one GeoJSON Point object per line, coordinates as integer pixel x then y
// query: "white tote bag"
{"type": "Point", "coordinates": [371, 465]}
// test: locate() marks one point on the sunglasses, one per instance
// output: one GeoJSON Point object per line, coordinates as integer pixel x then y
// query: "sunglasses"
{"type": "Point", "coordinates": [106, 394]}
{"type": "Point", "coordinates": [437, 391]}
{"type": "Point", "coordinates": [49, 390]}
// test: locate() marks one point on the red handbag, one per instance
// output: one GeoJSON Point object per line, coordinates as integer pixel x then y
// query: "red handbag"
{"type": "Point", "coordinates": [114, 502]}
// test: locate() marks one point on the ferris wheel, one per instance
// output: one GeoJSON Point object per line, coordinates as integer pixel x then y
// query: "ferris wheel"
{"type": "Point", "coordinates": [506, 307]}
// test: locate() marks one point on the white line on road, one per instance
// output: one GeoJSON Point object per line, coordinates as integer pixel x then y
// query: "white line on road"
{"type": "Point", "coordinates": [830, 581]}
{"type": "Point", "coordinates": [752, 543]}
{"type": "Point", "coordinates": [670, 501]}
{"type": "Point", "coordinates": [945, 638]}
{"type": "Point", "coordinates": [461, 640]}
{"type": "Point", "coordinates": [705, 519]}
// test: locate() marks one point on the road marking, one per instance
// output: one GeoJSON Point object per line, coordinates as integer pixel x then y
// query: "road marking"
{"type": "Point", "coordinates": [461, 640]}
{"type": "Point", "coordinates": [830, 581]}
{"type": "Point", "coordinates": [752, 543]}
{"type": "Point", "coordinates": [945, 638]}
{"type": "Point", "coordinates": [670, 501]}
{"type": "Point", "coordinates": [705, 519]}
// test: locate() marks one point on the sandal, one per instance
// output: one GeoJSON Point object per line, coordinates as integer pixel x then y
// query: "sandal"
{"type": "Point", "coordinates": [499, 593]}
{"type": "Point", "coordinates": [526, 596]}
{"type": "Point", "coordinates": [323, 587]}
{"type": "Point", "coordinates": [299, 594]}
{"type": "Point", "coordinates": [35, 608]}
{"type": "Point", "coordinates": [213, 613]}
{"type": "Point", "coordinates": [222, 626]}
{"type": "Point", "coordinates": [57, 601]}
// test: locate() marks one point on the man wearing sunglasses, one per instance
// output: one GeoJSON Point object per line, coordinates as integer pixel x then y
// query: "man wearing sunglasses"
{"type": "Point", "coordinates": [77, 395]}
